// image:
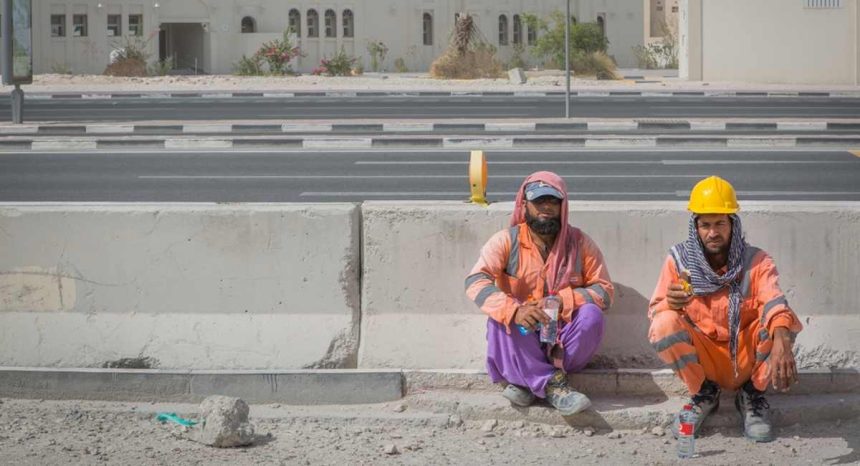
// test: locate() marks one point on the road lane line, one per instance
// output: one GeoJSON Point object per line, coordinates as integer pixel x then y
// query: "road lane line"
{"type": "Point", "coordinates": [464, 194]}
{"type": "Point", "coordinates": [385, 177]}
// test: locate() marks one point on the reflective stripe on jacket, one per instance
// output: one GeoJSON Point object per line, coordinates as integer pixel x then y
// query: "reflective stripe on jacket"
{"type": "Point", "coordinates": [510, 269]}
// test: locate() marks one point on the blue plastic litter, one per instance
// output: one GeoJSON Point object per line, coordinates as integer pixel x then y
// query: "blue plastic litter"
{"type": "Point", "coordinates": [172, 417]}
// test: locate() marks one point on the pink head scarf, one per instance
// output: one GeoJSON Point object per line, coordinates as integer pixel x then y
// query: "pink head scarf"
{"type": "Point", "coordinates": [560, 260]}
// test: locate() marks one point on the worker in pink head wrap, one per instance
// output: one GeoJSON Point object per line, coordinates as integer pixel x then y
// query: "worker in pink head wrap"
{"type": "Point", "coordinates": [540, 255]}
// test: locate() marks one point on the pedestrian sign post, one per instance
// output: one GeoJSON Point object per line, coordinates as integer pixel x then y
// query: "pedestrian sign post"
{"type": "Point", "coordinates": [17, 63]}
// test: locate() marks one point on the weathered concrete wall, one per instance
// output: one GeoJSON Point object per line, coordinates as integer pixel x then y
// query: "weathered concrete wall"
{"type": "Point", "coordinates": [199, 286]}
{"type": "Point", "coordinates": [416, 256]}
{"type": "Point", "coordinates": [205, 286]}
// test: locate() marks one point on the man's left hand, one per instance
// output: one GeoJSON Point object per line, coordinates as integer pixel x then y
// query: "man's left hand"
{"type": "Point", "coordinates": [783, 370]}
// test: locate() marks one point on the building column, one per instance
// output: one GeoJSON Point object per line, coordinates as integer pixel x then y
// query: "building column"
{"type": "Point", "coordinates": [692, 40]}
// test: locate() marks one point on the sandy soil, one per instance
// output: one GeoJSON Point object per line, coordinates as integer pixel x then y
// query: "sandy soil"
{"type": "Point", "coordinates": [538, 82]}
{"type": "Point", "coordinates": [34, 432]}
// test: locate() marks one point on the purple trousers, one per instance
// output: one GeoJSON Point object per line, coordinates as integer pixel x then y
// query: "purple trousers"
{"type": "Point", "coordinates": [521, 359]}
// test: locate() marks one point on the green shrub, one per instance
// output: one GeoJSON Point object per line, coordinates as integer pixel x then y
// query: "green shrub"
{"type": "Point", "coordinates": [585, 38]}
{"type": "Point", "coordinates": [339, 65]}
{"type": "Point", "coordinates": [249, 66]}
{"type": "Point", "coordinates": [400, 66]}
{"type": "Point", "coordinates": [377, 50]}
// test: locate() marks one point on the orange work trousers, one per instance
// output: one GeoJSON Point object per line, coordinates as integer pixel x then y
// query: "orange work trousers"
{"type": "Point", "coordinates": [694, 356]}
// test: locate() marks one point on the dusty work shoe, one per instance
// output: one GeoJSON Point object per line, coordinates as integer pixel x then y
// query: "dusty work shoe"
{"type": "Point", "coordinates": [563, 398]}
{"type": "Point", "coordinates": [519, 396]}
{"type": "Point", "coordinates": [755, 413]}
{"type": "Point", "coordinates": [704, 403]}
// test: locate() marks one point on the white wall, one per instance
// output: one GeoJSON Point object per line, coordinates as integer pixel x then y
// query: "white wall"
{"type": "Point", "coordinates": [396, 23]}
{"type": "Point", "coordinates": [624, 26]}
{"type": "Point", "coordinates": [773, 41]}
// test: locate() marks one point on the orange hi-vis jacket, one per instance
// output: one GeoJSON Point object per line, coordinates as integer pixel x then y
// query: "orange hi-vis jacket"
{"type": "Point", "coordinates": [694, 342]}
{"type": "Point", "coordinates": [762, 299]}
{"type": "Point", "coordinates": [510, 269]}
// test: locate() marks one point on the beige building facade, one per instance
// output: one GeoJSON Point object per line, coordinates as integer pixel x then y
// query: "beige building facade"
{"type": "Point", "coordinates": [770, 41]}
{"type": "Point", "coordinates": [210, 36]}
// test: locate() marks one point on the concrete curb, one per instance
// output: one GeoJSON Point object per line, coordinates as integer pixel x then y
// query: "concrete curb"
{"type": "Point", "coordinates": [344, 386]}
{"type": "Point", "coordinates": [605, 126]}
{"type": "Point", "coordinates": [184, 142]}
{"type": "Point", "coordinates": [303, 387]}
{"type": "Point", "coordinates": [359, 94]}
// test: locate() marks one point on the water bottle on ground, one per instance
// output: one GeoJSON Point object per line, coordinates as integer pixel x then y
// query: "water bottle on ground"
{"type": "Point", "coordinates": [687, 432]}
{"type": "Point", "coordinates": [549, 332]}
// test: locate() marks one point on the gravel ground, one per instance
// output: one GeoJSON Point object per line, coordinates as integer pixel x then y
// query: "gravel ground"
{"type": "Point", "coordinates": [36, 432]}
{"type": "Point", "coordinates": [538, 82]}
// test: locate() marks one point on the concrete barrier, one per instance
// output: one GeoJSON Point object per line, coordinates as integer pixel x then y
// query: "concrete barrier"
{"type": "Point", "coordinates": [247, 287]}
{"type": "Point", "coordinates": [179, 286]}
{"type": "Point", "coordinates": [416, 256]}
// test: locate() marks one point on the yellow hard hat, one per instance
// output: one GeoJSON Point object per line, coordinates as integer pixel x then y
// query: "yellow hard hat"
{"type": "Point", "coordinates": [713, 195]}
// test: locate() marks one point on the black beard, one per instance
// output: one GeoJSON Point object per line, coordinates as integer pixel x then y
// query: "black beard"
{"type": "Point", "coordinates": [543, 227]}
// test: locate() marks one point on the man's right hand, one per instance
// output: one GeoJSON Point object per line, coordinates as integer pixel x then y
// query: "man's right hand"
{"type": "Point", "coordinates": [676, 296]}
{"type": "Point", "coordinates": [529, 315]}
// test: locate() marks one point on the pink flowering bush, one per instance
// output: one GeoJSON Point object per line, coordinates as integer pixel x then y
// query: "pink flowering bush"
{"type": "Point", "coordinates": [339, 65]}
{"type": "Point", "coordinates": [277, 54]}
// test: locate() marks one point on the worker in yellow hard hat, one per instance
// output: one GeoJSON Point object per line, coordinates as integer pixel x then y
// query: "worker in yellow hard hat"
{"type": "Point", "coordinates": [718, 316]}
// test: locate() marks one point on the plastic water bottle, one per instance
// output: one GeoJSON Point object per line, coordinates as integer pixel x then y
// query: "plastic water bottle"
{"type": "Point", "coordinates": [549, 332]}
{"type": "Point", "coordinates": [687, 432]}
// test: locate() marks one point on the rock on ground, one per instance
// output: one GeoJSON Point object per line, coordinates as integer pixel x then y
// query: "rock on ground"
{"type": "Point", "coordinates": [224, 423]}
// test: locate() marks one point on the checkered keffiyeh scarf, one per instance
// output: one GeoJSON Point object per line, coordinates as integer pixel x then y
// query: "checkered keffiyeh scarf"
{"type": "Point", "coordinates": [691, 256]}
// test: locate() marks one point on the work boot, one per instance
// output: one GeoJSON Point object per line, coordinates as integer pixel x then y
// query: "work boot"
{"type": "Point", "coordinates": [704, 403]}
{"type": "Point", "coordinates": [755, 413]}
{"type": "Point", "coordinates": [519, 396]}
{"type": "Point", "coordinates": [563, 398]}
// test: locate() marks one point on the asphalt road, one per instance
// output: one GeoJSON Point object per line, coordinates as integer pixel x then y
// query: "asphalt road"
{"type": "Point", "coordinates": [340, 176]}
{"type": "Point", "coordinates": [240, 108]}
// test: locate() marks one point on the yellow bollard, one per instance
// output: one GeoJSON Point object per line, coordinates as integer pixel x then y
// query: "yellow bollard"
{"type": "Point", "coordinates": [478, 177]}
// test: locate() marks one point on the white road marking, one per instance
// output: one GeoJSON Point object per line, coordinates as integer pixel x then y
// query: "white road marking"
{"type": "Point", "coordinates": [384, 177]}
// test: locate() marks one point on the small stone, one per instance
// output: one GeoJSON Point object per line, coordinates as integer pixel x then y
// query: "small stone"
{"type": "Point", "coordinates": [489, 425]}
{"type": "Point", "coordinates": [614, 435]}
{"type": "Point", "coordinates": [589, 451]}
{"type": "Point", "coordinates": [588, 431]}
{"type": "Point", "coordinates": [399, 408]}
{"type": "Point", "coordinates": [489, 435]}
{"type": "Point", "coordinates": [518, 424]}
{"type": "Point", "coordinates": [796, 437]}
{"type": "Point", "coordinates": [658, 431]}
{"type": "Point", "coordinates": [634, 452]}
{"type": "Point", "coordinates": [557, 433]}
{"type": "Point", "coordinates": [643, 431]}
{"type": "Point", "coordinates": [666, 442]}
{"type": "Point", "coordinates": [396, 436]}
{"type": "Point", "coordinates": [391, 449]}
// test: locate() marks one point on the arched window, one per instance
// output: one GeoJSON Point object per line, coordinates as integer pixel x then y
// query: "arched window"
{"type": "Point", "coordinates": [348, 24]}
{"type": "Point", "coordinates": [427, 22]}
{"type": "Point", "coordinates": [601, 23]}
{"type": "Point", "coordinates": [248, 25]}
{"type": "Point", "coordinates": [503, 30]}
{"type": "Point", "coordinates": [518, 30]}
{"type": "Point", "coordinates": [330, 23]}
{"type": "Point", "coordinates": [313, 23]}
{"type": "Point", "coordinates": [295, 22]}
